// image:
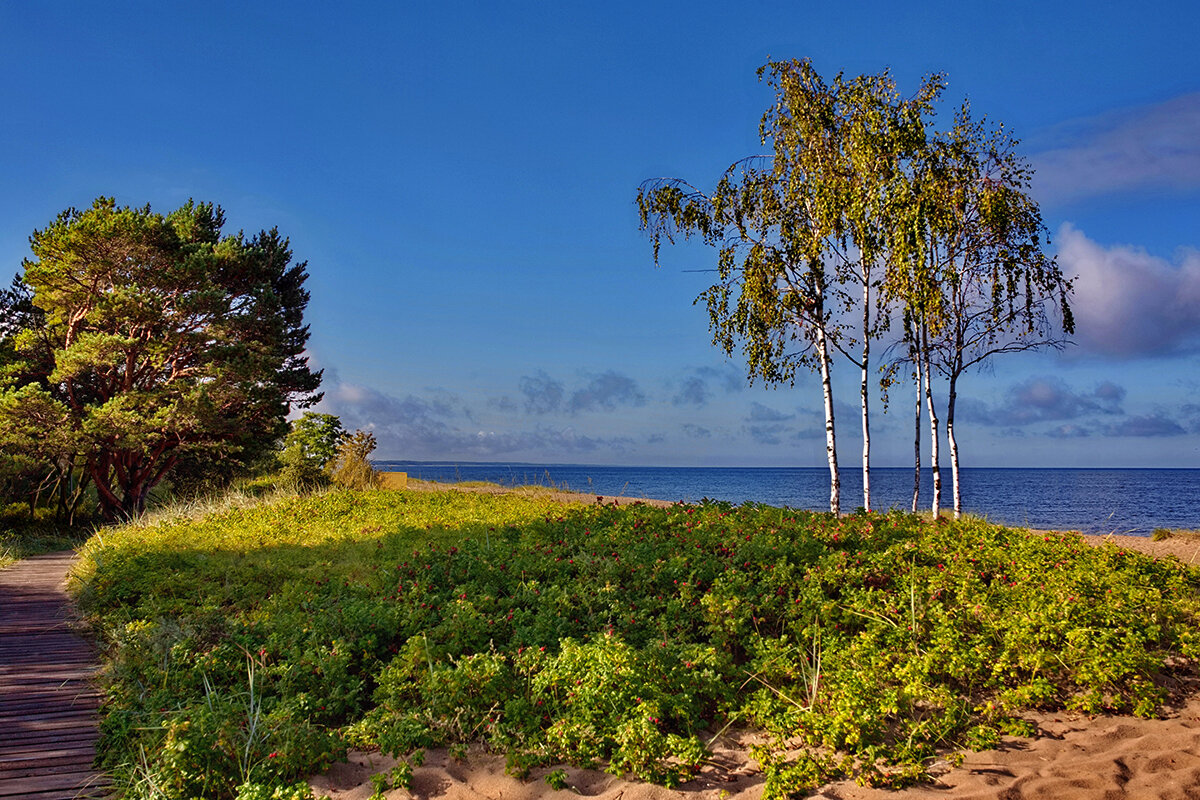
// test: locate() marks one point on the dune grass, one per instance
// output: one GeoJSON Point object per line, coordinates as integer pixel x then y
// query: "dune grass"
{"type": "Point", "coordinates": [250, 644]}
{"type": "Point", "coordinates": [1160, 534]}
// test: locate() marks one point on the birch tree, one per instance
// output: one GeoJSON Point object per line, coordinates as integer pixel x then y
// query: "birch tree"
{"type": "Point", "coordinates": [801, 232]}
{"type": "Point", "coordinates": [1001, 293]}
{"type": "Point", "coordinates": [975, 281]}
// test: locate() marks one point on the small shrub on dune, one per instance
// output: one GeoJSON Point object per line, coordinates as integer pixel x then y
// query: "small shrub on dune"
{"type": "Point", "coordinates": [351, 467]}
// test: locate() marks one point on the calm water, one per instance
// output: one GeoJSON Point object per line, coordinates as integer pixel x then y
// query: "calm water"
{"type": "Point", "coordinates": [1092, 500]}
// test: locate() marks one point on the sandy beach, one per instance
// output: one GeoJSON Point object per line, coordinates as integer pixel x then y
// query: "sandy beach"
{"type": "Point", "coordinates": [1073, 757]}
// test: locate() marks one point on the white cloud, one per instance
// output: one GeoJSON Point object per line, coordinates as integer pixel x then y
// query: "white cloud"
{"type": "Point", "coordinates": [604, 392]}
{"type": "Point", "coordinates": [1136, 148]}
{"type": "Point", "coordinates": [761, 413]}
{"type": "Point", "coordinates": [693, 391]}
{"type": "Point", "coordinates": [1129, 303]}
{"type": "Point", "coordinates": [543, 394]}
{"type": "Point", "coordinates": [1156, 424]}
{"type": "Point", "coordinates": [1098, 412]}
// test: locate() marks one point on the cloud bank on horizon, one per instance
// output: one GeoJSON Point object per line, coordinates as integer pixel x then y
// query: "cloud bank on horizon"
{"type": "Point", "coordinates": [443, 426]}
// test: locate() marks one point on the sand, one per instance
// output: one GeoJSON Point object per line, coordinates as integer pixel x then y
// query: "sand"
{"type": "Point", "coordinates": [1185, 548]}
{"type": "Point", "coordinates": [1073, 757]}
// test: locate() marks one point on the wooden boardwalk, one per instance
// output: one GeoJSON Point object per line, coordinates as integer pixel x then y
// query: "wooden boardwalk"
{"type": "Point", "coordinates": [47, 702]}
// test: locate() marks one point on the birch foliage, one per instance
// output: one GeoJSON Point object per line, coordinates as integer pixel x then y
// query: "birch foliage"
{"type": "Point", "coordinates": [976, 281]}
{"type": "Point", "coordinates": [802, 232]}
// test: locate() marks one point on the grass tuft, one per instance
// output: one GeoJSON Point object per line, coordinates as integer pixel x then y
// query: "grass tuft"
{"type": "Point", "coordinates": [1161, 534]}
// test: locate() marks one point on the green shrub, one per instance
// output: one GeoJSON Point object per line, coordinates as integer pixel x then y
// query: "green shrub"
{"type": "Point", "coordinates": [351, 468]}
{"type": "Point", "coordinates": [620, 637]}
{"type": "Point", "coordinates": [258, 791]}
{"type": "Point", "coordinates": [310, 446]}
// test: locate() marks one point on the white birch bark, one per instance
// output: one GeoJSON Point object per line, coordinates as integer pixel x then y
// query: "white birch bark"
{"type": "Point", "coordinates": [934, 454]}
{"type": "Point", "coordinates": [916, 497]}
{"type": "Point", "coordinates": [950, 399]}
{"type": "Point", "coordinates": [865, 395]}
{"type": "Point", "coordinates": [835, 485]}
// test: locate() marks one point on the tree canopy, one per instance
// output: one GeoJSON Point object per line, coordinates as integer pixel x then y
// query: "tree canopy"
{"type": "Point", "coordinates": [154, 338]}
{"type": "Point", "coordinates": [863, 213]}
{"type": "Point", "coordinates": [351, 466]}
{"type": "Point", "coordinates": [311, 445]}
{"type": "Point", "coordinates": [800, 228]}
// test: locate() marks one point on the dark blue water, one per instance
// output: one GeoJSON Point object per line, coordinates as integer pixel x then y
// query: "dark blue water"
{"type": "Point", "coordinates": [1091, 500]}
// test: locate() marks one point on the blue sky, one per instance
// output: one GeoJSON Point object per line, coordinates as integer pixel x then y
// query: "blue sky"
{"type": "Point", "coordinates": [460, 178]}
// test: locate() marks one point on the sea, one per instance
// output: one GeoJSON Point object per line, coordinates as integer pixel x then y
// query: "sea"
{"type": "Point", "coordinates": [1121, 501]}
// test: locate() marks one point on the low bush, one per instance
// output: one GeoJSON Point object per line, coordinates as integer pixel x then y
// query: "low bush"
{"type": "Point", "coordinates": [251, 647]}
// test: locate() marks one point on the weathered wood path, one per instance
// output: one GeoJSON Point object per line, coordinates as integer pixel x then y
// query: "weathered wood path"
{"type": "Point", "coordinates": [47, 704]}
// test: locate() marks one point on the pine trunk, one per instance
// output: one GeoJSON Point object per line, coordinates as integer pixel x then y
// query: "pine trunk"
{"type": "Point", "coordinates": [101, 471]}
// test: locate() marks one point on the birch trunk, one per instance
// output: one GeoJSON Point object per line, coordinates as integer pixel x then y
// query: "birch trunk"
{"type": "Point", "coordinates": [835, 485]}
{"type": "Point", "coordinates": [865, 395]}
{"type": "Point", "coordinates": [934, 454]}
{"type": "Point", "coordinates": [951, 396]}
{"type": "Point", "coordinates": [917, 443]}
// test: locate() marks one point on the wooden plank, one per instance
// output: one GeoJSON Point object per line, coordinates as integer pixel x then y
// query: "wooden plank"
{"type": "Point", "coordinates": [17, 757]}
{"type": "Point", "coordinates": [82, 783]}
{"type": "Point", "coordinates": [51, 723]}
{"type": "Point", "coordinates": [61, 705]}
{"type": "Point", "coordinates": [66, 766]}
{"type": "Point", "coordinates": [48, 705]}
{"type": "Point", "coordinates": [39, 700]}
{"type": "Point", "coordinates": [17, 762]}
{"type": "Point", "coordinates": [39, 744]}
{"type": "Point", "coordinates": [52, 695]}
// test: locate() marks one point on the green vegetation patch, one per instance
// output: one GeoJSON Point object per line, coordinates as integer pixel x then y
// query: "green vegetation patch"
{"type": "Point", "coordinates": [23, 535]}
{"type": "Point", "coordinates": [250, 648]}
